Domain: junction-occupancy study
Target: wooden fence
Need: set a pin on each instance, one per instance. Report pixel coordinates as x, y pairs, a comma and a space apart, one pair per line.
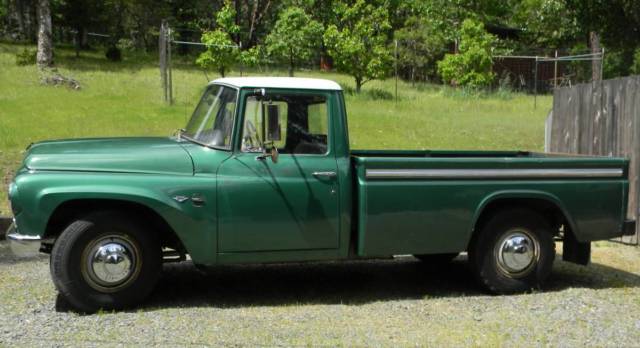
600, 118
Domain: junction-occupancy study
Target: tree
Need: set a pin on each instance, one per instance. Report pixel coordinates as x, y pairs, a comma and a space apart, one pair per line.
18, 20
546, 23
617, 22
471, 67
222, 53
420, 46
358, 44
294, 38
44, 57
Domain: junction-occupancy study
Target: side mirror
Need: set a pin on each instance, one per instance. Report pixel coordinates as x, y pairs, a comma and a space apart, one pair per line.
273, 123
273, 153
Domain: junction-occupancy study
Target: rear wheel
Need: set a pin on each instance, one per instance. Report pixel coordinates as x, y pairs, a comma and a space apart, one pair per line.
513, 252
105, 261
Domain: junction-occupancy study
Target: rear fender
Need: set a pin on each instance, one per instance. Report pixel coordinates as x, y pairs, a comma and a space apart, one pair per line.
523, 195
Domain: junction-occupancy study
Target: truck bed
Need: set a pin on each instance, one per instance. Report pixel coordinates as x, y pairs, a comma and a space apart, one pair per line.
421, 202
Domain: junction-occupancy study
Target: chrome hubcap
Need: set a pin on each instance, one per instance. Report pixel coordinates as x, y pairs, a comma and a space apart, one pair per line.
516, 252
110, 263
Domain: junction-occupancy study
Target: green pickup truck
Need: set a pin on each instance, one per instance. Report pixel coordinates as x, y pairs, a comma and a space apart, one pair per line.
263, 173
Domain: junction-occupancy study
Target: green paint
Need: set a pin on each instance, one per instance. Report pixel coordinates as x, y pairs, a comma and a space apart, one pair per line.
259, 211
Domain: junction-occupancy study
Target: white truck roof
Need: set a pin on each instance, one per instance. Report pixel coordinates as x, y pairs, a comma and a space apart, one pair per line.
279, 82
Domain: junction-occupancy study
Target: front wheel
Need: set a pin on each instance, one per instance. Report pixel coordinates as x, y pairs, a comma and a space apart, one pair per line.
513, 252
105, 261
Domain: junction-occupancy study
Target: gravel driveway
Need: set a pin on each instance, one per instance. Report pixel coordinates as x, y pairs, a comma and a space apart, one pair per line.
365, 303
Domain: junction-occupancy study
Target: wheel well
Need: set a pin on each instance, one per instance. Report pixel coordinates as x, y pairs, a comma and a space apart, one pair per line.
72, 210
549, 210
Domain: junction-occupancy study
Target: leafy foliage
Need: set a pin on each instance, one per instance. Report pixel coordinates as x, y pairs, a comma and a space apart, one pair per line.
546, 23
359, 28
635, 68
294, 38
420, 46
358, 44
471, 67
26, 57
113, 53
253, 56
222, 53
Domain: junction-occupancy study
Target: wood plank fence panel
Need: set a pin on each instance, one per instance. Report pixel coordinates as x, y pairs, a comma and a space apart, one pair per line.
601, 118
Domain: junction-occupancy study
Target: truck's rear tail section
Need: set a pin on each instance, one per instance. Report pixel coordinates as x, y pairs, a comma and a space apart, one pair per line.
432, 202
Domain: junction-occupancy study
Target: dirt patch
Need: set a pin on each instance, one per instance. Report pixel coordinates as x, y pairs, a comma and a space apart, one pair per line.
365, 303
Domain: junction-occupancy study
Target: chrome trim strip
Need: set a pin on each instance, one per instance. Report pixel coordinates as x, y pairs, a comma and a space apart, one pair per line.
493, 173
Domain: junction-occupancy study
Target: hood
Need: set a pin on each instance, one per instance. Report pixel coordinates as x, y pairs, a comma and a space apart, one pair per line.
120, 155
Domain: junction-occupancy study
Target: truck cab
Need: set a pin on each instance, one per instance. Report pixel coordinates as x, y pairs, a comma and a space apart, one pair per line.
263, 173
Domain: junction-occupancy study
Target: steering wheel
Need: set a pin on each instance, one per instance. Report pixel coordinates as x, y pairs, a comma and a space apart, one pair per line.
251, 141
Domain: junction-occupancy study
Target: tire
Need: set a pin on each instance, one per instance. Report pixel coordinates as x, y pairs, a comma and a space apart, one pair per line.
105, 260
436, 259
513, 252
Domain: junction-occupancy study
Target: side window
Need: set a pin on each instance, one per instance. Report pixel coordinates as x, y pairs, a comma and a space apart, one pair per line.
256, 123
318, 119
295, 124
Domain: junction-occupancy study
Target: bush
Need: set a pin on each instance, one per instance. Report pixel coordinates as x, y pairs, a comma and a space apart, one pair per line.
26, 57
472, 66
125, 45
635, 68
113, 54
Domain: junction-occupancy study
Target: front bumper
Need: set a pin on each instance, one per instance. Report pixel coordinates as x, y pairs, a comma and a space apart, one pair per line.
23, 245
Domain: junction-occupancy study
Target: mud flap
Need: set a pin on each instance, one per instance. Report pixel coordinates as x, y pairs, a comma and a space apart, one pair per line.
574, 251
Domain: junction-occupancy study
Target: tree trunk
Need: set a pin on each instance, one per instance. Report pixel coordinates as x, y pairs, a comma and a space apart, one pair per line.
45, 43
358, 84
21, 18
291, 65
221, 71
78, 41
413, 76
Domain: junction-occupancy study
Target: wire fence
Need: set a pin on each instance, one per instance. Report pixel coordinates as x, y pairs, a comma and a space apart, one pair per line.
538, 73
526, 73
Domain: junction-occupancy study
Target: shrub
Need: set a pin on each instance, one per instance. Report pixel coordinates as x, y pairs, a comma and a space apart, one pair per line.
471, 67
635, 68
26, 57
126, 45
113, 54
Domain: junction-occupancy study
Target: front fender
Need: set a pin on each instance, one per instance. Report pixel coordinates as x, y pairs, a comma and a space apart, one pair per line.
42, 193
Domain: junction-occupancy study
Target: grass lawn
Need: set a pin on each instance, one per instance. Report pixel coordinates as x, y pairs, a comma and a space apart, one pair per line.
121, 99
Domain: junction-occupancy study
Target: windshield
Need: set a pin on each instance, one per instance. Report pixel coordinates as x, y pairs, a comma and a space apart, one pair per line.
212, 121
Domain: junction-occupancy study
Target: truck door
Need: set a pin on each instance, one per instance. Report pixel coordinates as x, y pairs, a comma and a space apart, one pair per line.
291, 204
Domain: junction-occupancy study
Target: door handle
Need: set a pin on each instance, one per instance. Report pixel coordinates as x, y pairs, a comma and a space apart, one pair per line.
325, 174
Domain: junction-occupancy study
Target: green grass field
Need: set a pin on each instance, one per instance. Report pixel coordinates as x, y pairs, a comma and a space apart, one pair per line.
122, 99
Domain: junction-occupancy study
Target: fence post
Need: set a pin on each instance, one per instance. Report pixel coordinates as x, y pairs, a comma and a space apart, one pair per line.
535, 84
555, 72
396, 67
602, 64
162, 51
596, 69
169, 72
